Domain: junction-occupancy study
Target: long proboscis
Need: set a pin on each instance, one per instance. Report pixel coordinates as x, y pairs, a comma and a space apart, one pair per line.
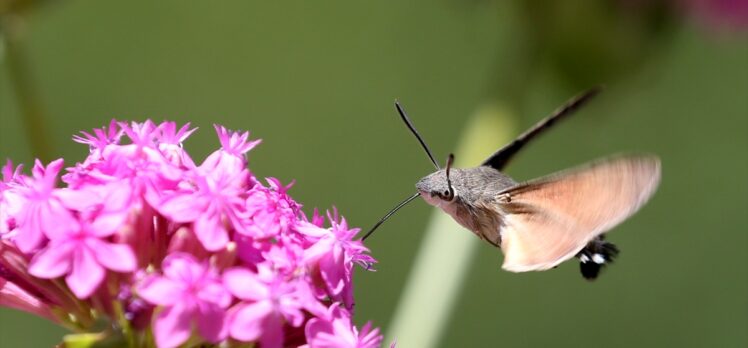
405, 118
387, 216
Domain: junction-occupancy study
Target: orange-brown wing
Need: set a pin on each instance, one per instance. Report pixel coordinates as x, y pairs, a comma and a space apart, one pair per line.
549, 220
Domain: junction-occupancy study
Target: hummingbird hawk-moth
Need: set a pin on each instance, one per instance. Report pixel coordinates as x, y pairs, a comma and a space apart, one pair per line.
543, 222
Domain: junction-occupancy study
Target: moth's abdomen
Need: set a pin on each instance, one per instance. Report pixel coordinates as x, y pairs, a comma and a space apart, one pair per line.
597, 254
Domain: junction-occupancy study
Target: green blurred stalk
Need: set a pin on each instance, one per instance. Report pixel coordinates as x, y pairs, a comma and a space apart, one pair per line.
447, 251
22, 84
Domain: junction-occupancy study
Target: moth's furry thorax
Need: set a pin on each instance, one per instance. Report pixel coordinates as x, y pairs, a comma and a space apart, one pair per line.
475, 191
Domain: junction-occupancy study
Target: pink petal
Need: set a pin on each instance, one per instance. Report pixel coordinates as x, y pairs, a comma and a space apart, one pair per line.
117, 257
56, 220
341, 326
15, 202
248, 251
292, 314
310, 302
160, 291
315, 326
215, 293
212, 324
183, 267
318, 250
328, 340
245, 285
118, 195
369, 338
272, 337
173, 326
29, 234
53, 168
247, 323
332, 269
108, 223
182, 207
211, 232
79, 200
86, 275
52, 261
311, 230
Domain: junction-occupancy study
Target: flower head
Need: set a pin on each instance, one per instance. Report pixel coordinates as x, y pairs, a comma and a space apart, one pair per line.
204, 255
271, 210
332, 256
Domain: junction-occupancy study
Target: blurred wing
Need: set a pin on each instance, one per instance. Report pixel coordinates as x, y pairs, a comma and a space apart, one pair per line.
549, 220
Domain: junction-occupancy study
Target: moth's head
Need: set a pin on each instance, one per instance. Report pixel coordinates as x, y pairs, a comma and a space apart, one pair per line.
434, 189
437, 188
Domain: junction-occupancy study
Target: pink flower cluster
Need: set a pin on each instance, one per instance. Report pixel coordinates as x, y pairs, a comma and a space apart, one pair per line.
173, 252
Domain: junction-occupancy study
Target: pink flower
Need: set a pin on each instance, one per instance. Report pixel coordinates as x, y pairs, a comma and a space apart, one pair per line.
336, 331
230, 158
212, 205
140, 234
332, 257
191, 293
284, 256
83, 255
39, 208
170, 143
267, 302
271, 210
100, 139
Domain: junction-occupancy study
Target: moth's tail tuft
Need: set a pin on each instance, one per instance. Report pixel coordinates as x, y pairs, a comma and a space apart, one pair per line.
595, 256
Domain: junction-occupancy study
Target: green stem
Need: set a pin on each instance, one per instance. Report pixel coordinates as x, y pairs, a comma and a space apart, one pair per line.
26, 93
81, 312
64, 320
119, 313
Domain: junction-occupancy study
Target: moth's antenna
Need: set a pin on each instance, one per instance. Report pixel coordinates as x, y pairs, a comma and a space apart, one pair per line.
413, 130
383, 219
500, 158
450, 159
405, 118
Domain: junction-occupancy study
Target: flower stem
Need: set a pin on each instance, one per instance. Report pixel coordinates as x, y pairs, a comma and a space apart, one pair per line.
119, 313
19, 74
82, 315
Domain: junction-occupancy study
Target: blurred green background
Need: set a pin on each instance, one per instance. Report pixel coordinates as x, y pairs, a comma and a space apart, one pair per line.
316, 80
